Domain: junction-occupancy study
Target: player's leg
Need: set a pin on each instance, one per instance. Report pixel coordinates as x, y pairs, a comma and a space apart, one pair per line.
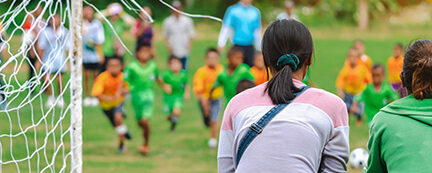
60, 102
143, 106
48, 90
86, 101
145, 127
177, 106
206, 119
215, 106
174, 119
120, 128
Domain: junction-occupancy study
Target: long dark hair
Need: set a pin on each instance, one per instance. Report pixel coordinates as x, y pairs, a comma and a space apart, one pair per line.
417, 69
285, 37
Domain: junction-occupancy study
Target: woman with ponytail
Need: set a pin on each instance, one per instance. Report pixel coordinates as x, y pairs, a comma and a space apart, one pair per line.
401, 133
283, 125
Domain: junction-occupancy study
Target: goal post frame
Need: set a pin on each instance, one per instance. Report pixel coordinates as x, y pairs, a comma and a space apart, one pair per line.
76, 22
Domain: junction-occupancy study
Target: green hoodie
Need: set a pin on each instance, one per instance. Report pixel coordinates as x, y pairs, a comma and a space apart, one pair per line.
401, 137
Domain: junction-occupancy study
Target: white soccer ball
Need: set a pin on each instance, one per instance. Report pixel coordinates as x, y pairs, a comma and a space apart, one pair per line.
358, 158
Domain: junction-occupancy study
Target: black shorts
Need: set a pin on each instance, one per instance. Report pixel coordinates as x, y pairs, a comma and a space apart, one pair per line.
91, 66
111, 113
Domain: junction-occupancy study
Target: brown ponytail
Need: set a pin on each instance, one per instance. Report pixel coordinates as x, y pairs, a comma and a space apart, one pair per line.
417, 70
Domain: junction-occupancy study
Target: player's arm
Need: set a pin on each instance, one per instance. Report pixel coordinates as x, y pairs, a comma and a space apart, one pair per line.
166, 87
225, 31
257, 34
340, 83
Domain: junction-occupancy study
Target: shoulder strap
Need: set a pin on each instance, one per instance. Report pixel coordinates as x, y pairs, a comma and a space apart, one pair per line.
256, 128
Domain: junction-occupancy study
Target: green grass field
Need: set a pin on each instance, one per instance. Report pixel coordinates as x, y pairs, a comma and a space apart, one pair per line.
185, 150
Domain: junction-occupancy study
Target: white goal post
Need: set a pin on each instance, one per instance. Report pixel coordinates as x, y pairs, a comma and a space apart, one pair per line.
76, 86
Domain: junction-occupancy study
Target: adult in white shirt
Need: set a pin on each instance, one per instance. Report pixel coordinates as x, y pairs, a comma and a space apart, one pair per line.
179, 31
93, 58
289, 12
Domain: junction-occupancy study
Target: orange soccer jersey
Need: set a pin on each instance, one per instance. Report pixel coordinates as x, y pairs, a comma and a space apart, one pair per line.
353, 80
364, 60
204, 80
259, 75
106, 84
395, 66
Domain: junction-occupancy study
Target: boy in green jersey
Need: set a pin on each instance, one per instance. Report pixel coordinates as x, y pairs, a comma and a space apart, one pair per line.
177, 79
233, 73
376, 95
142, 74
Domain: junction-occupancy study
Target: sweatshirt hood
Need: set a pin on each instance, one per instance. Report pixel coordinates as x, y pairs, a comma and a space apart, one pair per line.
419, 110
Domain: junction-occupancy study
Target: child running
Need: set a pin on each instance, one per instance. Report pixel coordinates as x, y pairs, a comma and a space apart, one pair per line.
210, 105
110, 89
259, 71
352, 80
235, 72
395, 65
142, 74
173, 101
376, 95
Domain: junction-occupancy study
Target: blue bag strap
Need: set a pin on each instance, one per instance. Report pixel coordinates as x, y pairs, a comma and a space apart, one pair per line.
256, 128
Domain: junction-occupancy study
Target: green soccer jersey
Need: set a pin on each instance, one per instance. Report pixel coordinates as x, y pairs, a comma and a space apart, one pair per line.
178, 83
108, 45
141, 78
374, 101
229, 82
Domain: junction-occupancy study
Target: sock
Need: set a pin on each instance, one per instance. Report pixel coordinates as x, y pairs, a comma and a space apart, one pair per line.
173, 123
121, 130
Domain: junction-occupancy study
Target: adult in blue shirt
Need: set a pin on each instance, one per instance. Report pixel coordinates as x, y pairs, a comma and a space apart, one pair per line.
243, 20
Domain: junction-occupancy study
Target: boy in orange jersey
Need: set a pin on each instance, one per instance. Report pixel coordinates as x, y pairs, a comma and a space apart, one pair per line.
110, 89
203, 82
394, 65
352, 80
258, 70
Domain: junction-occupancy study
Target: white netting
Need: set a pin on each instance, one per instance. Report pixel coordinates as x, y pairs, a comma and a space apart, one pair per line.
35, 109
35, 86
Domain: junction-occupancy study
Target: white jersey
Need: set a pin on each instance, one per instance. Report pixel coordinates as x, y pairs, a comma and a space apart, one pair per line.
309, 135
54, 43
179, 32
93, 33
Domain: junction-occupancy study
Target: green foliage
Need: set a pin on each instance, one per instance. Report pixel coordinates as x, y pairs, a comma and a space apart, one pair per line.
347, 10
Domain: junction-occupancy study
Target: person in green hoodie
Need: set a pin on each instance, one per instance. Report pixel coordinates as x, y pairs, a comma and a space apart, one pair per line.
401, 133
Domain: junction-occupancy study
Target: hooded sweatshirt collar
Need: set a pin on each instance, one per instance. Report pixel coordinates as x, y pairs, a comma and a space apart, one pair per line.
420, 110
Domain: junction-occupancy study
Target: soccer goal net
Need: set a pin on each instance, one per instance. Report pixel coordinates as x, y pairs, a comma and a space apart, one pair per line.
40, 86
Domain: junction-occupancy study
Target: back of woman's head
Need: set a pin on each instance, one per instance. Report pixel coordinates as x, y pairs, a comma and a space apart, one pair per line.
417, 69
287, 45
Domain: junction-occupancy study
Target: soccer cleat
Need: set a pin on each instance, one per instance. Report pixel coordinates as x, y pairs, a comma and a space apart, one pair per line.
173, 123
212, 143
50, 101
86, 101
122, 148
94, 101
144, 150
60, 102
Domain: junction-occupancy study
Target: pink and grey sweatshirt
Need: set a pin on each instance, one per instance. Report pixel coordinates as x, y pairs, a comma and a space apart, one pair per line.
309, 135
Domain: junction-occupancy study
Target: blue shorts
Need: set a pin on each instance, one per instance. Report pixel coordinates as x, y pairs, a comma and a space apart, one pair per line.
215, 107
349, 99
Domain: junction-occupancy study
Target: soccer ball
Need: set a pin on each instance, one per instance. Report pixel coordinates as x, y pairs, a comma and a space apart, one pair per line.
358, 158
